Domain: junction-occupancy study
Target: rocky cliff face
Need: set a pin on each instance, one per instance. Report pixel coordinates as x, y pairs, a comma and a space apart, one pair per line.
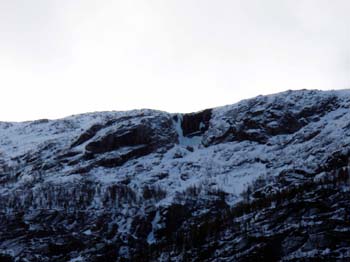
265, 179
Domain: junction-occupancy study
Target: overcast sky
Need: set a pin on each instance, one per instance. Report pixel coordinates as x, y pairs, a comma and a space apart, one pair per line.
62, 57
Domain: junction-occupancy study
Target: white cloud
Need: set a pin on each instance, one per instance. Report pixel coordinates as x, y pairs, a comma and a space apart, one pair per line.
72, 56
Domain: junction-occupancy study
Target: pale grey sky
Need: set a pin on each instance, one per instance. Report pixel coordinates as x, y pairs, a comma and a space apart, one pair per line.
62, 57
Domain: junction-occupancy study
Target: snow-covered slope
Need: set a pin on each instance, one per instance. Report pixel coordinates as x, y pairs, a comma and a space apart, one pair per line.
143, 185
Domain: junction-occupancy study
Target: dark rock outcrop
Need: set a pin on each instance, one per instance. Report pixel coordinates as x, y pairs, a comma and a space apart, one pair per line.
196, 123
264, 117
137, 136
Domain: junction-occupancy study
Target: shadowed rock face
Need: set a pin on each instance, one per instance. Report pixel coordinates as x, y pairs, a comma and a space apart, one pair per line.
141, 135
266, 179
138, 140
123, 158
263, 118
87, 135
196, 123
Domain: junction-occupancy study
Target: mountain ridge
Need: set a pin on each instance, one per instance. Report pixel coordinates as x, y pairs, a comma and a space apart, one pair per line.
213, 185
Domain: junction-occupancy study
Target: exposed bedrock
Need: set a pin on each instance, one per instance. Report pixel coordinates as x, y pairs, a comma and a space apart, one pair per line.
264, 117
140, 135
196, 123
